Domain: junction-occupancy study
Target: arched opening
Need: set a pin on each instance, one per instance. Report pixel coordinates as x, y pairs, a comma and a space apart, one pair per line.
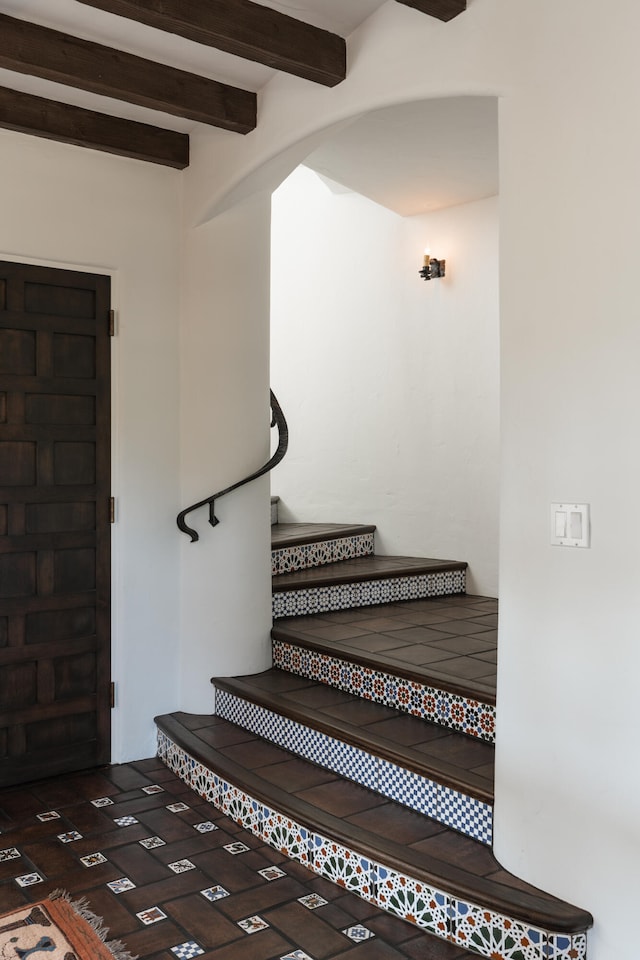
391, 386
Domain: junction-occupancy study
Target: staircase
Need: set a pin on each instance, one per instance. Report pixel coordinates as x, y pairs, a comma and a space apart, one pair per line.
366, 752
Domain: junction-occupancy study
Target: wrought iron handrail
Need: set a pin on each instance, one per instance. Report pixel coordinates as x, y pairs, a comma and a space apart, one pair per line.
277, 420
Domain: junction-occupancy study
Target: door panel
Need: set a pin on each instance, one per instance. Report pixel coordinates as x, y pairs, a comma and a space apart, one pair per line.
54, 522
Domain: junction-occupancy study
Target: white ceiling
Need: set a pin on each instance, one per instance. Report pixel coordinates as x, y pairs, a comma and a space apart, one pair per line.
411, 158
417, 157
70, 16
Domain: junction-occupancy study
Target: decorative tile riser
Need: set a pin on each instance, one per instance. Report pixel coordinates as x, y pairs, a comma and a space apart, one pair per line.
466, 924
308, 555
344, 596
457, 810
447, 709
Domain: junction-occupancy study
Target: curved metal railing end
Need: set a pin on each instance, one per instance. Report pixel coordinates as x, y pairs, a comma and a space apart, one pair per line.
277, 420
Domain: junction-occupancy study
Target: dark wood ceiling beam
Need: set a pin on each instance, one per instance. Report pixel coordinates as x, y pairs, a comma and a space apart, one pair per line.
68, 124
245, 29
41, 52
442, 9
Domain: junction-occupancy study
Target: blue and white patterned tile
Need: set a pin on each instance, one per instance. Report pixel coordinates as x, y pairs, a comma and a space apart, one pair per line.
231, 708
367, 593
353, 763
241, 808
187, 950
29, 879
215, 893
287, 836
349, 869
491, 934
359, 933
561, 947
205, 783
408, 788
412, 900
308, 743
465, 814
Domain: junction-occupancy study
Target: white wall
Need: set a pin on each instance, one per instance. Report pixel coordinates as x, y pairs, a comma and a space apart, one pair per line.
224, 437
568, 75
76, 208
390, 385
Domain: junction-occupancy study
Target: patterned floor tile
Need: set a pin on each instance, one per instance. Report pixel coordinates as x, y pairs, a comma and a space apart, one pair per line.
151, 915
69, 837
29, 879
312, 901
214, 893
359, 933
253, 924
150, 843
121, 885
181, 866
93, 859
187, 950
272, 873
236, 848
11, 853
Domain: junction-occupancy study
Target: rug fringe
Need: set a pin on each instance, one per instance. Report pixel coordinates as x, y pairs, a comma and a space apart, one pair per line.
81, 907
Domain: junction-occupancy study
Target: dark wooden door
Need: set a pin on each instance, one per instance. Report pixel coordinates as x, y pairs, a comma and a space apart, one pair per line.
54, 521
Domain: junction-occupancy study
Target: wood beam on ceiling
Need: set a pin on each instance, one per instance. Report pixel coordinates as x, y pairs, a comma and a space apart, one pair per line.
68, 124
442, 9
245, 29
42, 52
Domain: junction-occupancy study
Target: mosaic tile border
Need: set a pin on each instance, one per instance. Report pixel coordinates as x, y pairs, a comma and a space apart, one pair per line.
463, 813
450, 710
466, 924
344, 596
304, 556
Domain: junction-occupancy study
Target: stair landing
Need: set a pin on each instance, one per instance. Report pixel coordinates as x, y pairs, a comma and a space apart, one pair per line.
451, 640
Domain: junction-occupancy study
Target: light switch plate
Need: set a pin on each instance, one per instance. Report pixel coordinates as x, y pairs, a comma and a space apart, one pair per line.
570, 525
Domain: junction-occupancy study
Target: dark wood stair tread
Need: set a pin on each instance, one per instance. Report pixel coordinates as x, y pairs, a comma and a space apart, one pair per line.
296, 534
364, 821
362, 568
450, 758
447, 642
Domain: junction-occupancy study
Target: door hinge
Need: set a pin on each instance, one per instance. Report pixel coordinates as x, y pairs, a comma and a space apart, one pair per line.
112, 509
112, 694
112, 323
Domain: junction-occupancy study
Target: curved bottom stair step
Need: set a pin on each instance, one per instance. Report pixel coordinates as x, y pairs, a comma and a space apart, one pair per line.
413, 867
421, 765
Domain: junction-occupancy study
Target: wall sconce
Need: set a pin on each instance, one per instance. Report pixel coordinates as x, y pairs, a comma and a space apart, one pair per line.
432, 267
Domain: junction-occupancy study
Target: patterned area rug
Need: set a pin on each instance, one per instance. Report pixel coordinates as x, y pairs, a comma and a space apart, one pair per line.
56, 929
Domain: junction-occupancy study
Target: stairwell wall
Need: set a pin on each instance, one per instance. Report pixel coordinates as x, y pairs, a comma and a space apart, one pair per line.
390, 385
567, 75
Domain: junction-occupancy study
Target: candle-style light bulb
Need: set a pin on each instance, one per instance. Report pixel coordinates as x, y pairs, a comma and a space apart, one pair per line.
427, 257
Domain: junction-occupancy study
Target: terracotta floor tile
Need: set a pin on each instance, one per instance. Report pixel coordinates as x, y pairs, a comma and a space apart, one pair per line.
311, 932
341, 797
189, 915
207, 926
